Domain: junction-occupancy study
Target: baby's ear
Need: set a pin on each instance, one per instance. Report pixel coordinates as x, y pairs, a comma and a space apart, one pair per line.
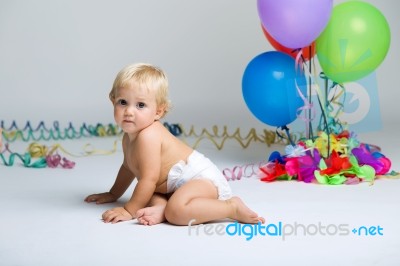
160, 112
112, 98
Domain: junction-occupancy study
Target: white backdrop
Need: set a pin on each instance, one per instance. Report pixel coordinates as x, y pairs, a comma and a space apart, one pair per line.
58, 59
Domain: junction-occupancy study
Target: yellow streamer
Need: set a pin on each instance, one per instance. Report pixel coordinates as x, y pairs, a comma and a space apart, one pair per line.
268, 137
37, 150
89, 150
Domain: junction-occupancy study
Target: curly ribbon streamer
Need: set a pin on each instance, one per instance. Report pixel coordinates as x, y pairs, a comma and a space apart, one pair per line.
175, 129
41, 132
25, 158
55, 160
289, 137
51, 161
329, 121
332, 124
1, 139
88, 150
391, 174
308, 108
216, 136
239, 171
36, 150
268, 137
110, 129
49, 156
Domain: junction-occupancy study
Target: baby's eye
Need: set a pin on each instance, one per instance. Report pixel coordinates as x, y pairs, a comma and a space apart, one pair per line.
122, 102
140, 105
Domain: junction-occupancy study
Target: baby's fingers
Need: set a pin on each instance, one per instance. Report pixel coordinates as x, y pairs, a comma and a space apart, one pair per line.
91, 198
109, 216
101, 200
117, 219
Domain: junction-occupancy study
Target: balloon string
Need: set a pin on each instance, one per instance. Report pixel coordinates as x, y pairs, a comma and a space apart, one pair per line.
310, 134
307, 109
299, 61
286, 129
332, 122
329, 120
308, 106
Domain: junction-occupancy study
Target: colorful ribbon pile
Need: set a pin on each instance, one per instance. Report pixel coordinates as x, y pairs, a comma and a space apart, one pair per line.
49, 156
339, 159
44, 156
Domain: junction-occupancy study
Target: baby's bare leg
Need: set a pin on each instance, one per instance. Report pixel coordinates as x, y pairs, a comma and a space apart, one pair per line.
154, 213
198, 200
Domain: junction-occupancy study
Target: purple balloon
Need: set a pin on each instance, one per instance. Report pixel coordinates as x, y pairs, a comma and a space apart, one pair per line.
294, 23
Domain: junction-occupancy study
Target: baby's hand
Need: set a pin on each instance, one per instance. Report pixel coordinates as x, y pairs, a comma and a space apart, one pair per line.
116, 215
100, 198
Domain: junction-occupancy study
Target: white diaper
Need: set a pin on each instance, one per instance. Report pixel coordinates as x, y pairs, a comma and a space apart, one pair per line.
198, 167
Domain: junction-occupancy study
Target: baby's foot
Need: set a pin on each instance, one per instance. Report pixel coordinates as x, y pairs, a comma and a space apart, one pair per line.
151, 215
243, 214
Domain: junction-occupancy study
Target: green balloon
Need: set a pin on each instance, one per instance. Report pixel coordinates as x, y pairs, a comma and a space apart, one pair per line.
354, 43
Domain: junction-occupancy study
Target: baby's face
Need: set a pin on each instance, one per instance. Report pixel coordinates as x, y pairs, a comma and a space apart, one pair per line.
135, 107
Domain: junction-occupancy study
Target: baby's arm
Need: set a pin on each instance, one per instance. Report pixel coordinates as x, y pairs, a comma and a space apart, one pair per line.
121, 184
141, 196
147, 155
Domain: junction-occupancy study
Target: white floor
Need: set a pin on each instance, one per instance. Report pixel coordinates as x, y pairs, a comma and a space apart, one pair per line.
44, 220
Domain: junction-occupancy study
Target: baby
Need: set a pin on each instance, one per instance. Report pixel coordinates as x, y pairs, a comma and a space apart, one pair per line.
174, 182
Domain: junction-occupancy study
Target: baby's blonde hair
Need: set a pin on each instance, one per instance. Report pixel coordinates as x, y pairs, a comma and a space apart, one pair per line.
144, 74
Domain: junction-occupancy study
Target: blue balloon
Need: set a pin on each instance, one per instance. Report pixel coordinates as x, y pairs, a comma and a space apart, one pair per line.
269, 88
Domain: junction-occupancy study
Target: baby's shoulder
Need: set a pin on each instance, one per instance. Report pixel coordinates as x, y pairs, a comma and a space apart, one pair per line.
154, 132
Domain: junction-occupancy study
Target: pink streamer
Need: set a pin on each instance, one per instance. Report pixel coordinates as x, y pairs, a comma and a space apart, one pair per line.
246, 170
54, 161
